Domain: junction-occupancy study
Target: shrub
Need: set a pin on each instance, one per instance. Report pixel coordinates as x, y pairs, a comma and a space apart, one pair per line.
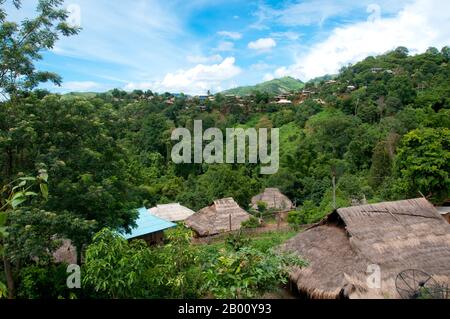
253, 222
49, 282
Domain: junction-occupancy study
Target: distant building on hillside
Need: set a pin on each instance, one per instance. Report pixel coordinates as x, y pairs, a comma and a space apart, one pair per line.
274, 200
376, 70
284, 101
223, 216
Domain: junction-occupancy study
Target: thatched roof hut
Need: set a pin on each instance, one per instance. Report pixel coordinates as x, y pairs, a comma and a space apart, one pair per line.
445, 212
274, 199
223, 216
171, 212
395, 236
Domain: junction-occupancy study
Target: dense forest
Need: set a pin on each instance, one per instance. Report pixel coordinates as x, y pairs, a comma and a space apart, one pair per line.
79, 164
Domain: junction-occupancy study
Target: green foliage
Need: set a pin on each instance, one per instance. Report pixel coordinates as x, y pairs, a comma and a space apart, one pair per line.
253, 222
423, 163
306, 214
43, 282
22, 44
3, 290
114, 267
248, 273
237, 241
108, 153
220, 181
175, 270
35, 234
262, 206
277, 86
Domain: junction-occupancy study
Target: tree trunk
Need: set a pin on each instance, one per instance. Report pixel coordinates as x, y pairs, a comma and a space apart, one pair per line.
9, 277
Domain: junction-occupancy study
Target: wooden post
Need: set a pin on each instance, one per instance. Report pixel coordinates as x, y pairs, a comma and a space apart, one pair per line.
333, 173
231, 228
334, 191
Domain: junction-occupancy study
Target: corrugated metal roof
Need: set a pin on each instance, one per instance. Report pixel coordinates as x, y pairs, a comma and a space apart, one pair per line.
147, 224
443, 210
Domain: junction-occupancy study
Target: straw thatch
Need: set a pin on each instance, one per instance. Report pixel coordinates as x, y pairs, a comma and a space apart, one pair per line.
171, 212
67, 253
223, 216
274, 199
396, 236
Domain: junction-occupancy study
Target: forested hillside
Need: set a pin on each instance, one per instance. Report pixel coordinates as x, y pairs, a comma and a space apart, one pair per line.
381, 127
276, 86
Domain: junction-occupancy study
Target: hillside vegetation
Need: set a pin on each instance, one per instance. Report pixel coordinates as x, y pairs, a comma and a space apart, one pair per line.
273, 87
381, 127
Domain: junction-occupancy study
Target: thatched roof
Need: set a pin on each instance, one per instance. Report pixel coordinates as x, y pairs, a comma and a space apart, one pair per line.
215, 219
274, 200
396, 236
67, 253
171, 212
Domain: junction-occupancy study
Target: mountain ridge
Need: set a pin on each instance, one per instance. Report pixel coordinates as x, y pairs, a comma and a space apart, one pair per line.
276, 86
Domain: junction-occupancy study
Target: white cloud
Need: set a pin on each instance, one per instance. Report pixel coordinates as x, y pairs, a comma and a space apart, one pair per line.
139, 86
290, 35
417, 26
200, 59
230, 34
263, 44
196, 80
268, 77
224, 46
80, 86
130, 38
316, 12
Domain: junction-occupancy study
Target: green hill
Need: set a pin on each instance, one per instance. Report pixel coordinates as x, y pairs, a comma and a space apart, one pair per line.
277, 86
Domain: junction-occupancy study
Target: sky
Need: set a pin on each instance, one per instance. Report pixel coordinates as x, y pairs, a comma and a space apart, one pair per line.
200, 45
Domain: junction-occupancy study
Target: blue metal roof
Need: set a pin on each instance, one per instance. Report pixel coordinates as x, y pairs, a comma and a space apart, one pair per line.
147, 224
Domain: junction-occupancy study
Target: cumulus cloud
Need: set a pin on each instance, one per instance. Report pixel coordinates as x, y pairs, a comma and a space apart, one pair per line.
418, 26
263, 44
196, 80
230, 34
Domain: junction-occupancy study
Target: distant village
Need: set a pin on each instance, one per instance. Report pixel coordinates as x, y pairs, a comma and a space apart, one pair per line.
310, 91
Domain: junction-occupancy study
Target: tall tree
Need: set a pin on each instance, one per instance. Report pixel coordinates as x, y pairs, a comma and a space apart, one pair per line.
423, 163
21, 45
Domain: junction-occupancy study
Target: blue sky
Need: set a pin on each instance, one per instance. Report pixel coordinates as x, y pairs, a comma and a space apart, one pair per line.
195, 46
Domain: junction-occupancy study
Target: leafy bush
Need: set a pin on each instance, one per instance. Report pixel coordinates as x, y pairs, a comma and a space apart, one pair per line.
114, 267
248, 273
253, 222
48, 282
237, 241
